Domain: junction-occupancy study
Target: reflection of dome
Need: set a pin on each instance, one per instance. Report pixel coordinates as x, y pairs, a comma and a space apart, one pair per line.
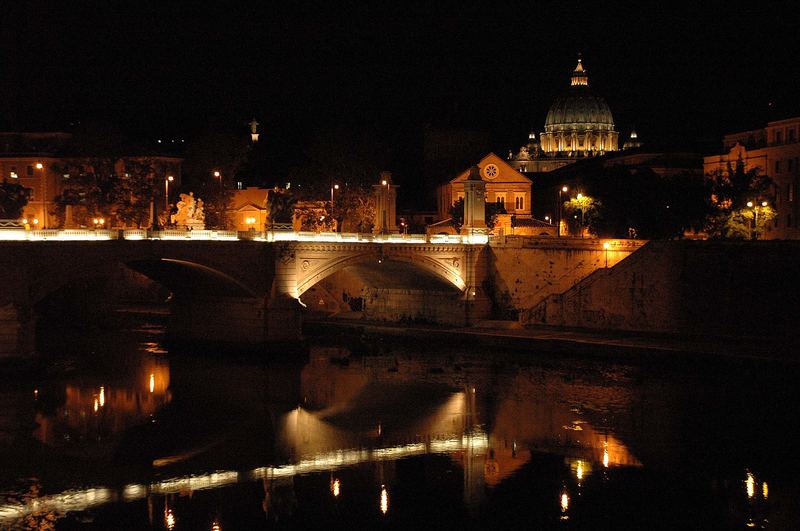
579, 121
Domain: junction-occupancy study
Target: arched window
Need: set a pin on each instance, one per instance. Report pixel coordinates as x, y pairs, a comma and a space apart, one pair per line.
519, 202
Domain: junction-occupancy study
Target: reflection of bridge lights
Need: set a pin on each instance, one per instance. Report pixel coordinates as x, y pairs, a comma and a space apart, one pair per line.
579, 470
335, 488
384, 500
152, 382
169, 519
215, 526
564, 505
764, 490
750, 485
95, 406
102, 396
605, 455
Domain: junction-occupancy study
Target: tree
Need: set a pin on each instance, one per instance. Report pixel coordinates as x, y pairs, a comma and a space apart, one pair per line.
13, 199
738, 198
133, 193
354, 208
582, 212
492, 210
281, 205
88, 187
456, 212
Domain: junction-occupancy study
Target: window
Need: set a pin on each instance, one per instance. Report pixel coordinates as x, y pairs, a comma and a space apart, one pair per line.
777, 166
29, 171
790, 192
789, 166
519, 202
788, 221
779, 137
790, 135
500, 199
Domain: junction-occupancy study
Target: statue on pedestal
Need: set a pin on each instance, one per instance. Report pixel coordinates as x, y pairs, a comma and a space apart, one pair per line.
190, 213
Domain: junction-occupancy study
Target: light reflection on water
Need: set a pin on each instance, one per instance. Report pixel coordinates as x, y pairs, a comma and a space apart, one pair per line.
493, 422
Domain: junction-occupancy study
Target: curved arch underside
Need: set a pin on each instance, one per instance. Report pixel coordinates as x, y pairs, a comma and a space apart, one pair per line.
184, 278
412, 272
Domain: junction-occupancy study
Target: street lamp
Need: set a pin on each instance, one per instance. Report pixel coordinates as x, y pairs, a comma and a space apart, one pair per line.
580, 197
386, 207
605, 247
754, 231
561, 190
40, 166
218, 176
98, 222
168, 180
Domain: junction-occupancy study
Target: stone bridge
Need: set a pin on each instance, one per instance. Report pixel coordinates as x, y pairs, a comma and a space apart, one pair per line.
227, 291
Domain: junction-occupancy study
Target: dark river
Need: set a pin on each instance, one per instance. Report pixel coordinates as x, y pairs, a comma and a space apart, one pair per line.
121, 431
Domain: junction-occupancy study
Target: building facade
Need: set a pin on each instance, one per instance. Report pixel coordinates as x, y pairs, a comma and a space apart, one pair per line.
775, 151
39, 162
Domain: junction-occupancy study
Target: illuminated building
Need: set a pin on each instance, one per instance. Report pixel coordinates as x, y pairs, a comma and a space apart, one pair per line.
505, 186
775, 151
578, 124
37, 161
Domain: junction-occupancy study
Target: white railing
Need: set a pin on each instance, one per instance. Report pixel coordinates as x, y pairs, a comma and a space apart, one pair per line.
20, 234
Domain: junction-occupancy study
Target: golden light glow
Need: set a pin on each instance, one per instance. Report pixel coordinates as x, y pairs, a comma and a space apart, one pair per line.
35, 221
750, 485
765, 490
384, 500
579, 470
383, 182
102, 396
750, 204
39, 166
170, 178
169, 519
335, 488
216, 174
564, 188
95, 406
605, 456
606, 245
215, 526
152, 382
580, 196
564, 505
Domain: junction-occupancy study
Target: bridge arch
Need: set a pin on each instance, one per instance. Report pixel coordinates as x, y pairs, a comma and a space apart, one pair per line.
312, 270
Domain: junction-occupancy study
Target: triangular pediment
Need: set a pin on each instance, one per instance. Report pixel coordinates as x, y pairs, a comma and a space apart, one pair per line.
250, 207
504, 172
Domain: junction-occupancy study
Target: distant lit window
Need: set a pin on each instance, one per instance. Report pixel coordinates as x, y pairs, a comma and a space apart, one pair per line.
14, 175
65, 176
238, 185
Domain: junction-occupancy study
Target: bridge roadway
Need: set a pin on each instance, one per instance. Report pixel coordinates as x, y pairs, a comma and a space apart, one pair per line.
227, 287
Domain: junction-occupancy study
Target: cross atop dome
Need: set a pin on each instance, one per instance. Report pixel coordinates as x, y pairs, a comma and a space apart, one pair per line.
579, 76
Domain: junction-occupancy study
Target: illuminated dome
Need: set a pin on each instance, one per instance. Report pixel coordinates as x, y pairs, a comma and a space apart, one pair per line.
579, 121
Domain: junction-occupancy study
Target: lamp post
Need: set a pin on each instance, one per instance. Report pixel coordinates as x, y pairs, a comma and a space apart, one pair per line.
754, 231
561, 190
580, 197
168, 180
40, 166
333, 187
605, 247
385, 228
218, 176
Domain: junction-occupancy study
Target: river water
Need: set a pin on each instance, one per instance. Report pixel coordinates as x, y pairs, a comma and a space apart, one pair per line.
121, 431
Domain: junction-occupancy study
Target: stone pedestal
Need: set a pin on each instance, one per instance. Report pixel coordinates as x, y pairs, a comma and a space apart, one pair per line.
385, 205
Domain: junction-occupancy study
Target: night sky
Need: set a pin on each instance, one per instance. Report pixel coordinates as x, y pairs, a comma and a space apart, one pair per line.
161, 69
